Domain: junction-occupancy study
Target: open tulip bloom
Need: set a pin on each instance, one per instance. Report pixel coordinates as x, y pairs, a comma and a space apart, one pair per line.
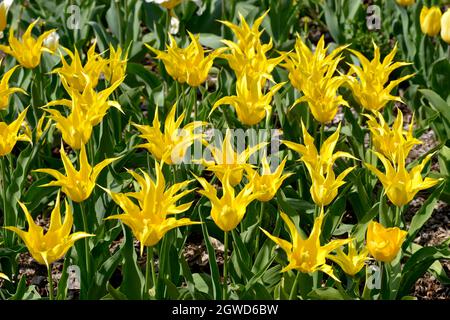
76, 184
27, 50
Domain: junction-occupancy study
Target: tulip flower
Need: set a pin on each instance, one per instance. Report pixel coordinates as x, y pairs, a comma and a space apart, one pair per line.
117, 65
3, 276
52, 42
225, 159
5, 90
77, 185
405, 3
322, 97
250, 103
445, 26
91, 104
400, 185
187, 64
430, 19
10, 134
372, 88
4, 8
27, 50
228, 210
307, 255
248, 55
268, 183
313, 74
391, 142
76, 75
384, 243
149, 219
306, 66
352, 262
310, 155
325, 184
76, 128
53, 245
171, 145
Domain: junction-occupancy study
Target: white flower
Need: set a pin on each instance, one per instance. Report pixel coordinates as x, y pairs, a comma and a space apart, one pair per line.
174, 25
52, 41
6, 3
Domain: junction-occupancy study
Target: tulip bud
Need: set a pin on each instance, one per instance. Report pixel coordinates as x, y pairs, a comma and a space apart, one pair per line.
430, 20
405, 3
52, 41
384, 243
445, 26
4, 7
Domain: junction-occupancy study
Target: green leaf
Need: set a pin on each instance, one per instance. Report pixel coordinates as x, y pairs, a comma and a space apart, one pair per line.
423, 215
437, 102
418, 264
133, 282
327, 294
217, 292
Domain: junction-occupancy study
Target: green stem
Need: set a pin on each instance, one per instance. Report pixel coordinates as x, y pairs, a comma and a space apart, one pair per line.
5, 215
225, 267
398, 214
260, 218
50, 283
86, 240
322, 129
150, 270
294, 290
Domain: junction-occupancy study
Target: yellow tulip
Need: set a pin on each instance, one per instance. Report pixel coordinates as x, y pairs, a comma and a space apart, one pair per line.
5, 90
171, 145
391, 142
306, 66
322, 97
77, 185
307, 255
52, 42
248, 55
76, 75
384, 243
352, 262
27, 50
3, 276
4, 8
148, 219
91, 104
325, 184
187, 64
250, 103
117, 65
10, 134
54, 244
228, 160
371, 87
430, 19
310, 155
268, 183
76, 128
445, 26
228, 210
400, 185
313, 74
405, 3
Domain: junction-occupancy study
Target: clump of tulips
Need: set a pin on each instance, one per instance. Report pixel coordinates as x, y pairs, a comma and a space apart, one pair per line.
283, 218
